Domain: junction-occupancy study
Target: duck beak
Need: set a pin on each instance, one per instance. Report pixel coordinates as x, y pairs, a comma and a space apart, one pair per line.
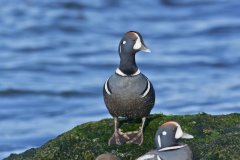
145, 49
186, 136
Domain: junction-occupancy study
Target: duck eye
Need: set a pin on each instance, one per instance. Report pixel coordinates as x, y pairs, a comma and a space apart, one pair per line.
164, 133
124, 42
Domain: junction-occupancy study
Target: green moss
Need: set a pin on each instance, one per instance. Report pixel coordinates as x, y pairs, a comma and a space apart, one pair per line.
217, 137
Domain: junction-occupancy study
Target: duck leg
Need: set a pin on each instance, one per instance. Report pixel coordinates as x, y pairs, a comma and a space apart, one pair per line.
137, 136
118, 136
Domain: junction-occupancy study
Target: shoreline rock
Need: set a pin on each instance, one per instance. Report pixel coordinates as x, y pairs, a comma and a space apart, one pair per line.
216, 137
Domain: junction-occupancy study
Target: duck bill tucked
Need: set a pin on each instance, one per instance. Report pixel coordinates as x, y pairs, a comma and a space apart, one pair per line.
145, 49
186, 136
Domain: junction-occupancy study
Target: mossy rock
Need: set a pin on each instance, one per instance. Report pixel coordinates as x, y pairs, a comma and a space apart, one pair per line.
217, 137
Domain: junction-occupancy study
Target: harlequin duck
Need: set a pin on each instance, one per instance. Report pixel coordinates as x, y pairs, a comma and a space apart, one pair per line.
128, 93
166, 141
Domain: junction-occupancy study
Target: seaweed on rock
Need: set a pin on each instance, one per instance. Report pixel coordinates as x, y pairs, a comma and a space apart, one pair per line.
216, 137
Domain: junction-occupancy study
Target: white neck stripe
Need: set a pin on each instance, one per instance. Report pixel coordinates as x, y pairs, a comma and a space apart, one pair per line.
171, 148
119, 72
136, 73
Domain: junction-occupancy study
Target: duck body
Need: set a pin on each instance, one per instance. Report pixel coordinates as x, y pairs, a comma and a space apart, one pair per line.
130, 96
183, 153
167, 145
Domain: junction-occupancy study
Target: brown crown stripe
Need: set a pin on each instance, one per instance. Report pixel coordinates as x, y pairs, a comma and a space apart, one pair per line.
169, 123
133, 33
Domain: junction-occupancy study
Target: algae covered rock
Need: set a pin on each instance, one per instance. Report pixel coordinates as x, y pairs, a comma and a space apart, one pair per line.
216, 137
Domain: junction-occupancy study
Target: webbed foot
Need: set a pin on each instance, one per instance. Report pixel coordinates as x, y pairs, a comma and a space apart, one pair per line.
118, 138
136, 137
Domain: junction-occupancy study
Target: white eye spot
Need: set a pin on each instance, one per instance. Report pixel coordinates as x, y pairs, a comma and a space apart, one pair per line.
124, 42
164, 133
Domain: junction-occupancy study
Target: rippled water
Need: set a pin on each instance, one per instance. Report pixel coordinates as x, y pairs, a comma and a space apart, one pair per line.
56, 55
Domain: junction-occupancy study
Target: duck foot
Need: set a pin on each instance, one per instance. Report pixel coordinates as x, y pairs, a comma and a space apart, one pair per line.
118, 138
135, 137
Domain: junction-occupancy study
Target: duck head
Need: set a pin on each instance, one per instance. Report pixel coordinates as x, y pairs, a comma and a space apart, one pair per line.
130, 44
168, 134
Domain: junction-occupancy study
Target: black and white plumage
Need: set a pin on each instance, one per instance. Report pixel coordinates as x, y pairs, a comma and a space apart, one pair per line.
167, 145
129, 96
128, 93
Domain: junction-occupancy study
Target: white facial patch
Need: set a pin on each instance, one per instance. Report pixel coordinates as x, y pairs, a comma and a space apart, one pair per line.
124, 42
164, 133
138, 43
179, 132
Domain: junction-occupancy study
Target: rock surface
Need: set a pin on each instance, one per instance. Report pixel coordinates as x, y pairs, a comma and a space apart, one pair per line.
217, 137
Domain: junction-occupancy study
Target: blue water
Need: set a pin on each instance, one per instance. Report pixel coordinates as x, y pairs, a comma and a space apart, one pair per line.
56, 54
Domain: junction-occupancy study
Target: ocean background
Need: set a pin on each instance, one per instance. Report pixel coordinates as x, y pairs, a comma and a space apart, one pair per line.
55, 56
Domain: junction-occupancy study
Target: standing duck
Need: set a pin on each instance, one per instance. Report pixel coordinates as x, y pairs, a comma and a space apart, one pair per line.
167, 146
128, 93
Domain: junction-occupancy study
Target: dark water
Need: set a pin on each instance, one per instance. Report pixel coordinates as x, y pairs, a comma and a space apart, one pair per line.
56, 55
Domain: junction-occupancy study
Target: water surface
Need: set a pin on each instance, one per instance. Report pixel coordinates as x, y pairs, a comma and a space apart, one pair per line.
56, 55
